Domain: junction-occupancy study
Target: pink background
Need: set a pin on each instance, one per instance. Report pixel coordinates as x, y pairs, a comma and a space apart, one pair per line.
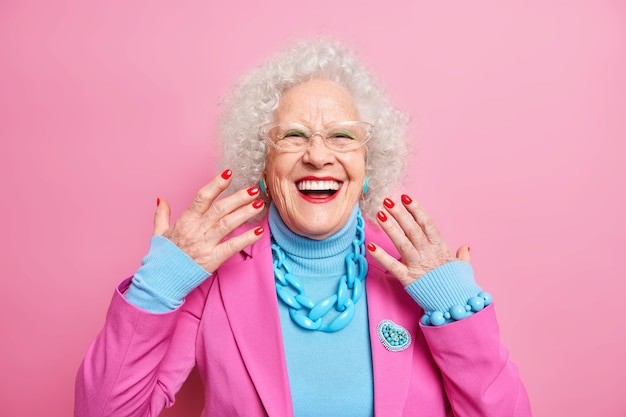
518, 115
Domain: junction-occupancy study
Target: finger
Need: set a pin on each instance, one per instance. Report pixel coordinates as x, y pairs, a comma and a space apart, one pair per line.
463, 253
410, 228
207, 194
230, 247
161, 217
423, 219
223, 226
391, 264
231, 204
398, 235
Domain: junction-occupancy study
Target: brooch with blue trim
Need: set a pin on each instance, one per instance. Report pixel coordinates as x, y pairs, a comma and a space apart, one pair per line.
393, 336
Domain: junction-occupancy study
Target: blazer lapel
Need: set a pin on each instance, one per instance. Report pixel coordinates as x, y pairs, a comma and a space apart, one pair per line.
249, 295
387, 300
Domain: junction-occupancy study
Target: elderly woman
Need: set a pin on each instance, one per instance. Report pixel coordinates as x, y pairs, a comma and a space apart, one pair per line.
287, 300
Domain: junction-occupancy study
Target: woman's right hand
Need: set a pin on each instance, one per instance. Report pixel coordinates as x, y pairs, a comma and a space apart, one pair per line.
201, 229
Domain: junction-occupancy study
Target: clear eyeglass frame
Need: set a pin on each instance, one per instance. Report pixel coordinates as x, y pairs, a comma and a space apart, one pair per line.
295, 137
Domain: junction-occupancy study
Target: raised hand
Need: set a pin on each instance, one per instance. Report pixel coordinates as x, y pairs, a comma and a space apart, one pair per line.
413, 232
202, 228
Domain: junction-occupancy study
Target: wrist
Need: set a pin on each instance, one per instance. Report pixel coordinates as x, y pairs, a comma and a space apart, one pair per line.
442, 288
165, 277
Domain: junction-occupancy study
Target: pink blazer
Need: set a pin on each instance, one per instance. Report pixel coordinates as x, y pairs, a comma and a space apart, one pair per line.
229, 327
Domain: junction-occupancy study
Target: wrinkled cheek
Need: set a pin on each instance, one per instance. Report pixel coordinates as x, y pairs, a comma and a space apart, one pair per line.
278, 192
285, 201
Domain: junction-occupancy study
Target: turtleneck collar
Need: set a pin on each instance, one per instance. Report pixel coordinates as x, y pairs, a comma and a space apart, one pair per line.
314, 257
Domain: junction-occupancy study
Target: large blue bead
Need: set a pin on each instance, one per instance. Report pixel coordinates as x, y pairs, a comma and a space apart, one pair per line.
487, 297
458, 312
476, 303
436, 318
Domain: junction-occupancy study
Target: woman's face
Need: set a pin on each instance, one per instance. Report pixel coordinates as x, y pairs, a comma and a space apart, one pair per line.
317, 211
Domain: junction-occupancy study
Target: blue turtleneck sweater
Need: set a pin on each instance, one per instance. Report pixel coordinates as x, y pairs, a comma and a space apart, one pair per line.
329, 373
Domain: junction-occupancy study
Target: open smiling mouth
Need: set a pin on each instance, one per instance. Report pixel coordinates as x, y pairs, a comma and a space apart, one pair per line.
318, 189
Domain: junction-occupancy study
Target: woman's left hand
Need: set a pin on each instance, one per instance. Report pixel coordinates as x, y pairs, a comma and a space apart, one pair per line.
416, 237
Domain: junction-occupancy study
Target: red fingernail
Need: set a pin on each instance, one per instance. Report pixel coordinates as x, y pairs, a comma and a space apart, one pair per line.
158, 202
253, 190
371, 246
258, 204
382, 216
227, 174
258, 230
406, 199
388, 203
468, 248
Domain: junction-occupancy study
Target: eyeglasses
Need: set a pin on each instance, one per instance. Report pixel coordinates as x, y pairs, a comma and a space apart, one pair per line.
294, 137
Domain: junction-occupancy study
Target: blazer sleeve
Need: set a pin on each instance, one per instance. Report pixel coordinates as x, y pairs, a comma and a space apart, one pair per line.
139, 360
478, 376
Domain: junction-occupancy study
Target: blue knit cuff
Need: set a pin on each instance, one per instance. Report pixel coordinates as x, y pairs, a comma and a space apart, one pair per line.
165, 277
449, 285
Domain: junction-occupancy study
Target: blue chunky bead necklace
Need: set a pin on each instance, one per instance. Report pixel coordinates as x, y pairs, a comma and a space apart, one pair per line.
304, 311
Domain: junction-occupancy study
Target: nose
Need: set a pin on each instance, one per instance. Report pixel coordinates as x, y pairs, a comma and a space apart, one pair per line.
317, 153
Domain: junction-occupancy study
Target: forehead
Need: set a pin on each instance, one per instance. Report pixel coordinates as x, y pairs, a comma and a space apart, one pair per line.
316, 101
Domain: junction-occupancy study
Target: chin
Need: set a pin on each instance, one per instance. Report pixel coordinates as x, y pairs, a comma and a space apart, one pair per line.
318, 229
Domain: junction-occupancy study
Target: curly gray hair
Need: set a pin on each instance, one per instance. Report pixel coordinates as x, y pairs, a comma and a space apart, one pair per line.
256, 96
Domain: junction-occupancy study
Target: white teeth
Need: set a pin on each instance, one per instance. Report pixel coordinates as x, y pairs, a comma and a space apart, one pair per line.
318, 185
